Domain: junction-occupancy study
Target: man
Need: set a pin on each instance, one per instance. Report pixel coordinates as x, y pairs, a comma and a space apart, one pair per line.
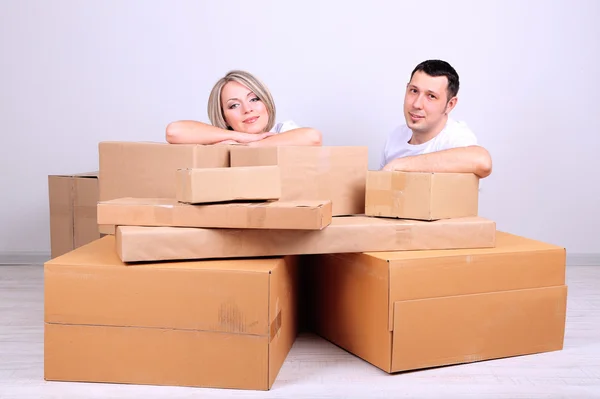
431, 141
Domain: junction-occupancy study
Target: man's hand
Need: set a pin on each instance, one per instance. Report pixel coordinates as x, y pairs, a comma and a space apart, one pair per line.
395, 164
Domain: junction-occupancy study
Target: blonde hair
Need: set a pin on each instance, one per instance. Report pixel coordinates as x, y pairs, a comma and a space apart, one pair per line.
215, 107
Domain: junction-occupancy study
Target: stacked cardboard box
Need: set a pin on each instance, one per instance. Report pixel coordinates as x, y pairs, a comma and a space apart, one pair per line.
198, 282
72, 206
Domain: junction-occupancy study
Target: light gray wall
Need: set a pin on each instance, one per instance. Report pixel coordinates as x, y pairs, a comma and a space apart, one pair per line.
73, 73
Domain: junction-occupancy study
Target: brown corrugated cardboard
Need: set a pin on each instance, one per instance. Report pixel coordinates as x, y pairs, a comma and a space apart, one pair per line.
227, 324
344, 234
148, 170
72, 204
315, 173
424, 196
294, 215
417, 309
205, 185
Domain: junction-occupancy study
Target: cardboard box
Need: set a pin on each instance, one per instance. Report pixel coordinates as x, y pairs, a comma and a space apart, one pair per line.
222, 324
296, 215
337, 174
418, 309
197, 186
344, 234
148, 170
72, 204
424, 196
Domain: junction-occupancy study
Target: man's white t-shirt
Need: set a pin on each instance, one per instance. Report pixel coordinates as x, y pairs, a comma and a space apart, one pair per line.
455, 134
284, 126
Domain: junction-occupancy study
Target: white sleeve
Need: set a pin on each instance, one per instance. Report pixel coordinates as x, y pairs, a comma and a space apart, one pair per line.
284, 126
459, 136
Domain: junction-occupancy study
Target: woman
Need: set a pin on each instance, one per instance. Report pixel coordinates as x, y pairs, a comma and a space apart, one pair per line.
241, 111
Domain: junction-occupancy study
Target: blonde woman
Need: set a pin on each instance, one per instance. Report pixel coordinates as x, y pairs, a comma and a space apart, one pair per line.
241, 111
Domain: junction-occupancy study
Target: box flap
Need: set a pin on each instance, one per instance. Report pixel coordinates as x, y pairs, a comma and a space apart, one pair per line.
155, 356
90, 285
515, 263
467, 328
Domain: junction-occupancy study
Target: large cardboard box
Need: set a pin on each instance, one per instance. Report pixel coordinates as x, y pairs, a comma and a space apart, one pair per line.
206, 185
225, 324
344, 234
418, 309
72, 204
295, 215
315, 173
148, 170
424, 196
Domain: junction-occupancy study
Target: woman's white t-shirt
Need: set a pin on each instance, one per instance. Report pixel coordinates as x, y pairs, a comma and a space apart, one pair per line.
284, 126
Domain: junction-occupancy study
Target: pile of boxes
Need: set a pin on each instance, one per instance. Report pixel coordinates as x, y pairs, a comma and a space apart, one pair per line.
208, 253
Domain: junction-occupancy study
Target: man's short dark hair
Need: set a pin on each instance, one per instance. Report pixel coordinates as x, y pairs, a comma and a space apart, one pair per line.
440, 68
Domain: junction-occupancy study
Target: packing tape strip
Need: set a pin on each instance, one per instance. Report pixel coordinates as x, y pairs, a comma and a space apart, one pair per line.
276, 326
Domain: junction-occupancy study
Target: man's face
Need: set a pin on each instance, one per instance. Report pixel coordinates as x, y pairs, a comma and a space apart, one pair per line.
426, 103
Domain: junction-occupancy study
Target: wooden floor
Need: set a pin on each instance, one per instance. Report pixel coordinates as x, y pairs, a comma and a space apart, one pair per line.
315, 367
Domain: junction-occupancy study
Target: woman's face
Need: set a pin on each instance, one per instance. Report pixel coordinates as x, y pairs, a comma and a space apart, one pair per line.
242, 109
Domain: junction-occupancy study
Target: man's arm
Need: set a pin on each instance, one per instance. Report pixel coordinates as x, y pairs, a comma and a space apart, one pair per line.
471, 159
303, 136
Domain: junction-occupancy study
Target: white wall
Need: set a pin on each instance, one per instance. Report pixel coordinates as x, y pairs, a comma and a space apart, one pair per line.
73, 73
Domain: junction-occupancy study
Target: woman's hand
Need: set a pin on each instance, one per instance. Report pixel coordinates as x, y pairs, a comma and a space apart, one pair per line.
226, 142
243, 138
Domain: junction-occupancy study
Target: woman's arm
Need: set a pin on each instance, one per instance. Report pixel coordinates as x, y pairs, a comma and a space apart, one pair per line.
193, 132
304, 136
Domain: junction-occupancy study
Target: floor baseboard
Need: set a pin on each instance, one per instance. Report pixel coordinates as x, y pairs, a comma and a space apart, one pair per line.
23, 258
583, 259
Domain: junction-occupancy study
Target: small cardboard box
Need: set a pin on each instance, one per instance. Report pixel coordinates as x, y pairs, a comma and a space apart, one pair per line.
418, 309
290, 215
331, 173
424, 196
148, 170
344, 234
206, 185
222, 324
72, 203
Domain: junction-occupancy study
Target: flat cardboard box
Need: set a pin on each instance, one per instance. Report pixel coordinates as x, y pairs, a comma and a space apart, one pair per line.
293, 215
72, 204
344, 234
148, 170
419, 309
206, 185
221, 324
330, 173
423, 196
